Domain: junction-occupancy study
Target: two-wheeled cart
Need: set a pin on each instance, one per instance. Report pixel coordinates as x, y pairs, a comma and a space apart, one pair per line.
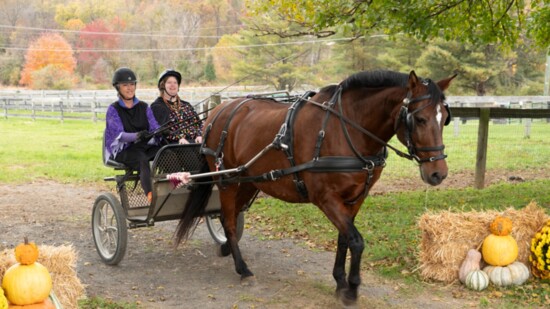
112, 216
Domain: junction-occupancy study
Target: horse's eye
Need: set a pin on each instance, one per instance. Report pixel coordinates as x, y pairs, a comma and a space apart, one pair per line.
419, 120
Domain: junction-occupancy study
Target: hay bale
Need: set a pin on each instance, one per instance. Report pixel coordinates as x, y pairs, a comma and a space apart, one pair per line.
61, 262
447, 236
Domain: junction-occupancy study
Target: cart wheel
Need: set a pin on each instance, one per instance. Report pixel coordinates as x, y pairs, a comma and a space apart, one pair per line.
109, 228
214, 224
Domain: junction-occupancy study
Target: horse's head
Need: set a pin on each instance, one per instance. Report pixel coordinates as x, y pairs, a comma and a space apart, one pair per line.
419, 126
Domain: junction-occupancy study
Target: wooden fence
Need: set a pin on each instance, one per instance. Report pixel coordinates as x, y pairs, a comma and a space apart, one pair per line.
485, 114
93, 105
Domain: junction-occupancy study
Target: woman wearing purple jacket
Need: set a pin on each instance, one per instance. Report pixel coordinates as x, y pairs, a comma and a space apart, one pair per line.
129, 123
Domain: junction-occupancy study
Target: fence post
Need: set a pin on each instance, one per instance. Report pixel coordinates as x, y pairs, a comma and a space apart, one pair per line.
33, 114
456, 125
527, 132
481, 157
61, 109
6, 102
94, 112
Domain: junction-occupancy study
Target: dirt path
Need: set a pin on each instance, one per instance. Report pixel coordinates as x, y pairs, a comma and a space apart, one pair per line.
155, 275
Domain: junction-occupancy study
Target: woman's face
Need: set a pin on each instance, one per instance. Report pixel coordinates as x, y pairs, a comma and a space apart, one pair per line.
128, 90
171, 86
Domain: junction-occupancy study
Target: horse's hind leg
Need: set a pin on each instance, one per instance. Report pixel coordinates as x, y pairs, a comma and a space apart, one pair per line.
233, 199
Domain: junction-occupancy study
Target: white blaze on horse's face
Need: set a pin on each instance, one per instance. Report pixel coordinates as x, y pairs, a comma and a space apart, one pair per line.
439, 116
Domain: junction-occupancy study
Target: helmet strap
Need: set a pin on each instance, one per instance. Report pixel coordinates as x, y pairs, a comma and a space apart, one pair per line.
172, 98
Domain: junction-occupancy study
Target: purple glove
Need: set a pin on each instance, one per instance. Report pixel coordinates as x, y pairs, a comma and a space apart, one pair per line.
128, 137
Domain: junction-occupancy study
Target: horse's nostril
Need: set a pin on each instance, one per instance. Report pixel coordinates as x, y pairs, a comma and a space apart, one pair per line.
437, 178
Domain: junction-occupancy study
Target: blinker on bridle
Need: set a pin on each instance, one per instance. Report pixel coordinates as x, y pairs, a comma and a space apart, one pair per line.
408, 119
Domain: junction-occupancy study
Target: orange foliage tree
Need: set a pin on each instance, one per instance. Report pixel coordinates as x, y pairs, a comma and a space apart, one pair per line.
49, 51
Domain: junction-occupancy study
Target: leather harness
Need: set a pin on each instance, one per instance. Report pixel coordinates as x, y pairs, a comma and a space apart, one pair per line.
284, 141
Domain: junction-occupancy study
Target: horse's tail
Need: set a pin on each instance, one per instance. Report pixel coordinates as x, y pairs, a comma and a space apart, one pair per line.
194, 206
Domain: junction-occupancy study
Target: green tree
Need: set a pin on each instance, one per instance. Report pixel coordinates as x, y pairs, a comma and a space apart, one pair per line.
209, 70
476, 21
481, 69
266, 59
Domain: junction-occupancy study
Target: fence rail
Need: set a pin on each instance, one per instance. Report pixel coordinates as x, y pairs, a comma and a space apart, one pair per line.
88, 104
93, 105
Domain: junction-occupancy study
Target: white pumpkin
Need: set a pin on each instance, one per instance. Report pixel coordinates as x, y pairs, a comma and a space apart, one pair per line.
477, 280
516, 273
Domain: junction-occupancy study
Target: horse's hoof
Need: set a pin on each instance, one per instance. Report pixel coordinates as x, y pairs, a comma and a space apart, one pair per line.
222, 250
346, 300
248, 281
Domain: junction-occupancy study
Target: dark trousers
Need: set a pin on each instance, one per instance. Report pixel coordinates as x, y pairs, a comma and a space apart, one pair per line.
137, 157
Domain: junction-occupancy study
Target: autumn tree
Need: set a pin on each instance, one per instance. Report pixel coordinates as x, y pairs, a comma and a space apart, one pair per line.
95, 40
476, 21
49, 52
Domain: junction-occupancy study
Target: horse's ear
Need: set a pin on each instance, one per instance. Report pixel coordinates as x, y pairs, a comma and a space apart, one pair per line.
413, 80
444, 83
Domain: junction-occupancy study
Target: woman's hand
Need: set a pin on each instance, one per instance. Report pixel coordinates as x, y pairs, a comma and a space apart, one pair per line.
198, 140
183, 141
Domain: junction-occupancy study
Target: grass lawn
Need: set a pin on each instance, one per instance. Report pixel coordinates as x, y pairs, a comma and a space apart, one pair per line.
71, 152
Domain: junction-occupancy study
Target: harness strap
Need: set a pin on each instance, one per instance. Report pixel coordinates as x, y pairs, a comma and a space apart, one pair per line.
321, 165
321, 134
362, 130
217, 154
284, 140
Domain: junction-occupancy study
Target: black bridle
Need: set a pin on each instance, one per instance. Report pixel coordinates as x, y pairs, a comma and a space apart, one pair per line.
404, 116
407, 118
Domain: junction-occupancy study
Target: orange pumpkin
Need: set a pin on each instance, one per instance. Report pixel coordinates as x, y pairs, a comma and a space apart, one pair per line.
26, 253
46, 304
501, 226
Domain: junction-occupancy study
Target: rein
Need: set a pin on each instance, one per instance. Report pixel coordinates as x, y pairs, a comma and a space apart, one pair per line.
411, 155
355, 163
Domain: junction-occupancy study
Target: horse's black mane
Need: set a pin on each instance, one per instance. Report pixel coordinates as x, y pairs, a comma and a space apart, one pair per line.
380, 79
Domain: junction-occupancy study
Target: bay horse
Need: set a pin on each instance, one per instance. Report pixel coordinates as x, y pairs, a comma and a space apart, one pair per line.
327, 149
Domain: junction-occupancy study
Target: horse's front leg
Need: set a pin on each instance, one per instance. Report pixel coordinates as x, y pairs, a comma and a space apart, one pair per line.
339, 270
356, 247
347, 291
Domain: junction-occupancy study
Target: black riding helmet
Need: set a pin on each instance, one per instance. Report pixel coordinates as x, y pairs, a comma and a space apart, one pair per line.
169, 72
124, 75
